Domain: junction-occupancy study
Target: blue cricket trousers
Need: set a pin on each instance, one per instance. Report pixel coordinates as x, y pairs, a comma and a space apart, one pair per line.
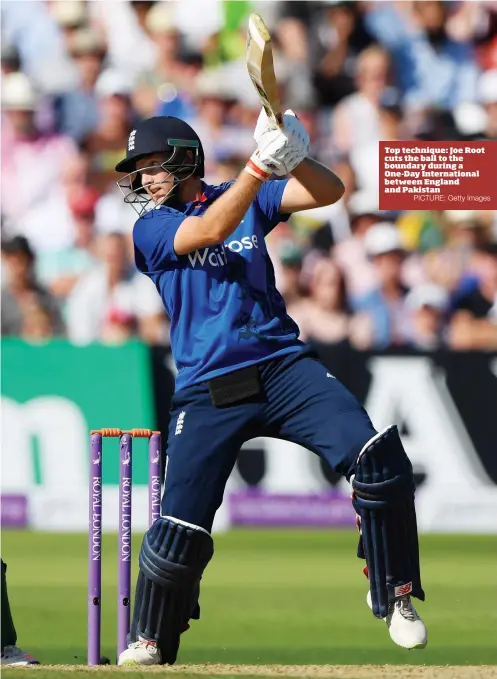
300, 402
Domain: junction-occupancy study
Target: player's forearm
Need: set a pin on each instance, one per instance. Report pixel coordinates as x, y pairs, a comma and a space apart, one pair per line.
312, 185
226, 213
220, 219
321, 183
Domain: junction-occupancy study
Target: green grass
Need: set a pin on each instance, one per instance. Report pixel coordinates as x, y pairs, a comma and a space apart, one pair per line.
289, 597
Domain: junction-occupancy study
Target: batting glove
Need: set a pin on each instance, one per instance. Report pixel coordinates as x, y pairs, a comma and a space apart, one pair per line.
278, 151
298, 142
264, 124
292, 125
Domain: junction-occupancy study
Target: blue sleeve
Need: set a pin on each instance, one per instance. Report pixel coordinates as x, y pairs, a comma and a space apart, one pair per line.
268, 201
389, 26
153, 238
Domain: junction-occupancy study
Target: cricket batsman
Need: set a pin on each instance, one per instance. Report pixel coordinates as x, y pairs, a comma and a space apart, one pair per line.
243, 373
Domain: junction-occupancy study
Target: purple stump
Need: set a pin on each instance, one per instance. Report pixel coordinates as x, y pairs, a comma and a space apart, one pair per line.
154, 480
95, 551
124, 567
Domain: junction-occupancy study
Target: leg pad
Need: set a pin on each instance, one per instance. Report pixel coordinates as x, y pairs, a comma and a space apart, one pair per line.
383, 497
172, 559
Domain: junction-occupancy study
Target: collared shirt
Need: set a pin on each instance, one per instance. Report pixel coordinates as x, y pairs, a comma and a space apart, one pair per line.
225, 310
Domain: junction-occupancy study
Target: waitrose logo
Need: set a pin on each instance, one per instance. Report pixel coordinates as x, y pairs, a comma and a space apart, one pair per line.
216, 255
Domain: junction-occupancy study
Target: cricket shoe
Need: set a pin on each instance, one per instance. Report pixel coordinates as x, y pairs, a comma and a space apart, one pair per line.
404, 624
15, 657
141, 652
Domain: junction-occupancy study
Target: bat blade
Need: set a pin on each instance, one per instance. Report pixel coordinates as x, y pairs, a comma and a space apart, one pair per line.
261, 68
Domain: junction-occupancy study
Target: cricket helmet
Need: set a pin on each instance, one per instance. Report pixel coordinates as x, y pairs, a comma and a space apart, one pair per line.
176, 141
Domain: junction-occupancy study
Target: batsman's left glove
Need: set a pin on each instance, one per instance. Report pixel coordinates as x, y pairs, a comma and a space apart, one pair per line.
298, 139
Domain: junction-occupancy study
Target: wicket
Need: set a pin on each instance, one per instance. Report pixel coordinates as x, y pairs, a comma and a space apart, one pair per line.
95, 529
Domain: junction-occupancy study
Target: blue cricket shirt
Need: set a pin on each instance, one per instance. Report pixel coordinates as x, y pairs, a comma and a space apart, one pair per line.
225, 310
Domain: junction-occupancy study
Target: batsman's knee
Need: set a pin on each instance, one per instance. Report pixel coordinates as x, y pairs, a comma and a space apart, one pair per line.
383, 471
383, 497
172, 541
172, 559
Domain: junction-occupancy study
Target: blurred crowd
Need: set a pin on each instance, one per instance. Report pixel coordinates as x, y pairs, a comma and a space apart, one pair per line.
77, 76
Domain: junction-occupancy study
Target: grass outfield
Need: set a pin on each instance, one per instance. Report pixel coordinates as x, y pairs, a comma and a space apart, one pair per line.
268, 597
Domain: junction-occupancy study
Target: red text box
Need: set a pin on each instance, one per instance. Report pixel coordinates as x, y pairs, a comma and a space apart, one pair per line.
438, 175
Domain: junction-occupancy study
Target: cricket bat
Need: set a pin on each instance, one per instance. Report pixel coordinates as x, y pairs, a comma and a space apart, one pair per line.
261, 68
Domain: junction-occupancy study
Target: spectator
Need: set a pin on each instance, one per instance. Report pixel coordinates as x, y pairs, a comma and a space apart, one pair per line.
219, 136
77, 109
37, 325
178, 100
113, 294
291, 258
356, 119
340, 38
61, 269
488, 98
431, 68
76, 174
167, 69
33, 204
452, 265
323, 227
11, 62
107, 141
119, 327
22, 295
465, 231
324, 315
219, 24
293, 63
40, 32
112, 215
385, 305
228, 167
365, 159
123, 26
482, 28
350, 254
69, 17
428, 304
474, 321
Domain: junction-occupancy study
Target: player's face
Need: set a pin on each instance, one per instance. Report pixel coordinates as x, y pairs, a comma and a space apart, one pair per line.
18, 267
388, 267
156, 181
